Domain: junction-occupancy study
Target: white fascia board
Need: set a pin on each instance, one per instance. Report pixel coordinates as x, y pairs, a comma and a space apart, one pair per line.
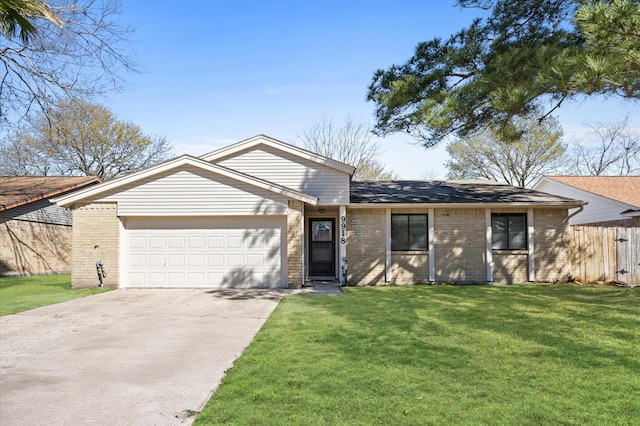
274, 143
175, 163
461, 205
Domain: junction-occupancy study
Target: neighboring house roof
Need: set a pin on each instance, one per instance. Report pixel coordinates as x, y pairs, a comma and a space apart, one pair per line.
174, 164
451, 192
274, 143
16, 191
625, 189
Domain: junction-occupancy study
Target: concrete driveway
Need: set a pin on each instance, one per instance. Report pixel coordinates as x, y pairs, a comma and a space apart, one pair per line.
126, 357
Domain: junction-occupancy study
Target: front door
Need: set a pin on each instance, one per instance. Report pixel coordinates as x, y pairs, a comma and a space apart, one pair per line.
322, 253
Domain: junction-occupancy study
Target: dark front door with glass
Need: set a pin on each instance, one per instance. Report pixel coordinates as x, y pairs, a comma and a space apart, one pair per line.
322, 248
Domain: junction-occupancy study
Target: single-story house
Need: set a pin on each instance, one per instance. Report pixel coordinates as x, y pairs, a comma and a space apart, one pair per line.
35, 235
263, 213
612, 200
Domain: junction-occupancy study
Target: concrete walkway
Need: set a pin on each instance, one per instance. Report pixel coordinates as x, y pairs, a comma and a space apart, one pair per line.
126, 357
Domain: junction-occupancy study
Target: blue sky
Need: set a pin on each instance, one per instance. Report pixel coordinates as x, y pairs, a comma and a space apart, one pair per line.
216, 72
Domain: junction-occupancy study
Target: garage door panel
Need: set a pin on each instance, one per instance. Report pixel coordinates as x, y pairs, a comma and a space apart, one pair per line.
156, 260
138, 260
235, 241
195, 260
215, 260
223, 252
176, 242
137, 278
155, 279
195, 242
234, 260
175, 279
215, 242
215, 279
255, 260
195, 279
174, 260
136, 242
156, 242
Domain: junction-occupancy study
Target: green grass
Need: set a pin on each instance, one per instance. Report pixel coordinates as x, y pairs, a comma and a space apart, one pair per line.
434, 355
18, 294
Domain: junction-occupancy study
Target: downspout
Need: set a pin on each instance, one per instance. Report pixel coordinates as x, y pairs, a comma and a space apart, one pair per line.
580, 209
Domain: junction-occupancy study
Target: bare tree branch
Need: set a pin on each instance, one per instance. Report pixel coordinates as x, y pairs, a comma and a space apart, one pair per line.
352, 144
80, 54
615, 150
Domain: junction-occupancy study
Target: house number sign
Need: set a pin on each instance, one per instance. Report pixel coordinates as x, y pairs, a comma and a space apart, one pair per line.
343, 227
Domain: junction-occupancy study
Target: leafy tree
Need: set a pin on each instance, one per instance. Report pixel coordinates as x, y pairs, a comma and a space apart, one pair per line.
352, 144
79, 138
64, 49
525, 56
616, 151
488, 155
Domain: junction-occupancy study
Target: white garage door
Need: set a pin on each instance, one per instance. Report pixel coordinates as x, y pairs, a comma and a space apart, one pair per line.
204, 252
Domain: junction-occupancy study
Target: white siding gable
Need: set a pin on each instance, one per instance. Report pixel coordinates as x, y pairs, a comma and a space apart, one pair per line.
598, 209
331, 186
191, 191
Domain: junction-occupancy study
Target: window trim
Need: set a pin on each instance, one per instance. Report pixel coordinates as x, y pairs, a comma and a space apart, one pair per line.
408, 249
525, 243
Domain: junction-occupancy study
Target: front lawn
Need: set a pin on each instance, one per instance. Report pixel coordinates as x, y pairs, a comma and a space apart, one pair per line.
514, 355
19, 294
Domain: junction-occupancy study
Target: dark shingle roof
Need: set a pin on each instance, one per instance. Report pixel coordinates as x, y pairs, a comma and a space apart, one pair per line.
449, 192
18, 190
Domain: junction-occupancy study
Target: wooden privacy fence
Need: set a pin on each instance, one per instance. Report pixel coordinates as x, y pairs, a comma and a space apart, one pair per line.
605, 253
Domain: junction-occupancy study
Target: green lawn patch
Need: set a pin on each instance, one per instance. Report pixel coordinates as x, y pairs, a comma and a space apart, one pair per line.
434, 355
19, 294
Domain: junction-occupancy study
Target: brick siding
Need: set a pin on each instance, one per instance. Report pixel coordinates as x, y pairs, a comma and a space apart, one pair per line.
409, 268
366, 246
460, 245
95, 223
295, 233
510, 266
28, 248
552, 245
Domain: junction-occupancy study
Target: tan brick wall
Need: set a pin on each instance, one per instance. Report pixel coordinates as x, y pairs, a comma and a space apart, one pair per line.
409, 267
552, 245
95, 223
34, 248
460, 246
295, 234
510, 266
459, 249
366, 246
